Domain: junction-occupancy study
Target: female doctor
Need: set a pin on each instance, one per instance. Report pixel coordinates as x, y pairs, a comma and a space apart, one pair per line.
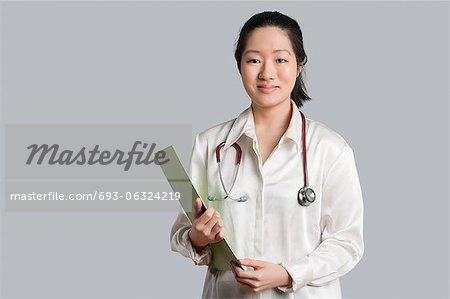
295, 221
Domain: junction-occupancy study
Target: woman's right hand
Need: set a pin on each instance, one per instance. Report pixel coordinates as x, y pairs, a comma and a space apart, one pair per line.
206, 228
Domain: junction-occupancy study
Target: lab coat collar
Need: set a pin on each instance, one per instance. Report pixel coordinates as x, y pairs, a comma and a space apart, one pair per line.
244, 124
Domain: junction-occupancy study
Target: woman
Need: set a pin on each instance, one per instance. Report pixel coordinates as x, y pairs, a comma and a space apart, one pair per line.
291, 250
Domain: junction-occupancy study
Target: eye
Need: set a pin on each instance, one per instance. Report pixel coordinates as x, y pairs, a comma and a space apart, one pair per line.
253, 60
281, 60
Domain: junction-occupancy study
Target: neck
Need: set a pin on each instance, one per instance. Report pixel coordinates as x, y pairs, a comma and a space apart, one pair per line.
275, 117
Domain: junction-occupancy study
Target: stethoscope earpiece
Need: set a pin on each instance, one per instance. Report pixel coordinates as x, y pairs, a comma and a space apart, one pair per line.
243, 198
212, 198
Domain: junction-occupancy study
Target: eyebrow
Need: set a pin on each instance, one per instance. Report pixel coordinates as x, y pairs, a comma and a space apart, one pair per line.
275, 51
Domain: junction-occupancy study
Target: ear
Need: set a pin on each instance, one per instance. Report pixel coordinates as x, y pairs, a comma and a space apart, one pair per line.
299, 69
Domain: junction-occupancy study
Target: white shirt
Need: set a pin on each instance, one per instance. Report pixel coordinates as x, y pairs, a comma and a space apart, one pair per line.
315, 244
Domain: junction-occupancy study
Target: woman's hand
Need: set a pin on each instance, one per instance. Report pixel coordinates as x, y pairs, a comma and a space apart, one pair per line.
206, 228
264, 275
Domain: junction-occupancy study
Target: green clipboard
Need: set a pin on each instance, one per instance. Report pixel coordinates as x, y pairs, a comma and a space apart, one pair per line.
180, 182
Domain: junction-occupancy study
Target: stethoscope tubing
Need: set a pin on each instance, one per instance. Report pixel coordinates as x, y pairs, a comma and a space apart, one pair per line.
238, 149
305, 195
305, 162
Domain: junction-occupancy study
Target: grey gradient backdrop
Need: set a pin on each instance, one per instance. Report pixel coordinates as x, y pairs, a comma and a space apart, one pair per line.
378, 74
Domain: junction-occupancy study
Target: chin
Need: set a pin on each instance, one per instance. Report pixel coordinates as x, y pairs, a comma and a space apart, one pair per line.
268, 102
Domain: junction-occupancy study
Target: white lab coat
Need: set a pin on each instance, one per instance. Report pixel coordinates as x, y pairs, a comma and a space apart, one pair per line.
316, 244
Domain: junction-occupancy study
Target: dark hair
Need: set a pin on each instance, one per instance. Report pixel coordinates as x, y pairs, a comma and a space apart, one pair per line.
277, 19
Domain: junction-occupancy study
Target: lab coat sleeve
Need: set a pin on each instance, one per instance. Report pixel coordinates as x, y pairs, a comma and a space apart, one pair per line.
179, 238
342, 245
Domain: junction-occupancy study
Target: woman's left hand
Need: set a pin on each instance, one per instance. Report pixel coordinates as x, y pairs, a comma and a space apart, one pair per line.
264, 275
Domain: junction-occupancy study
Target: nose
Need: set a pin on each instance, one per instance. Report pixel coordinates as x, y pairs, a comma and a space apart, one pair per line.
267, 71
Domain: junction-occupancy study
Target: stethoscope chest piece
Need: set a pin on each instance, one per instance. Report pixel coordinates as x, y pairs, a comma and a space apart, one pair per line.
306, 196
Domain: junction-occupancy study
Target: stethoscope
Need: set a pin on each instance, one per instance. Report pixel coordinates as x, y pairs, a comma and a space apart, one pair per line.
305, 195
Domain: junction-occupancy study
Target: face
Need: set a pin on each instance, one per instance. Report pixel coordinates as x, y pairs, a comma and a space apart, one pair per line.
269, 67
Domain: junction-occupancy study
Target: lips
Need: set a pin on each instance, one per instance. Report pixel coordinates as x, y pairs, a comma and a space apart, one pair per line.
267, 88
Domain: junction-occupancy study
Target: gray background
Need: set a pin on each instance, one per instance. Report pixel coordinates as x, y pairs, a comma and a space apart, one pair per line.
378, 74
